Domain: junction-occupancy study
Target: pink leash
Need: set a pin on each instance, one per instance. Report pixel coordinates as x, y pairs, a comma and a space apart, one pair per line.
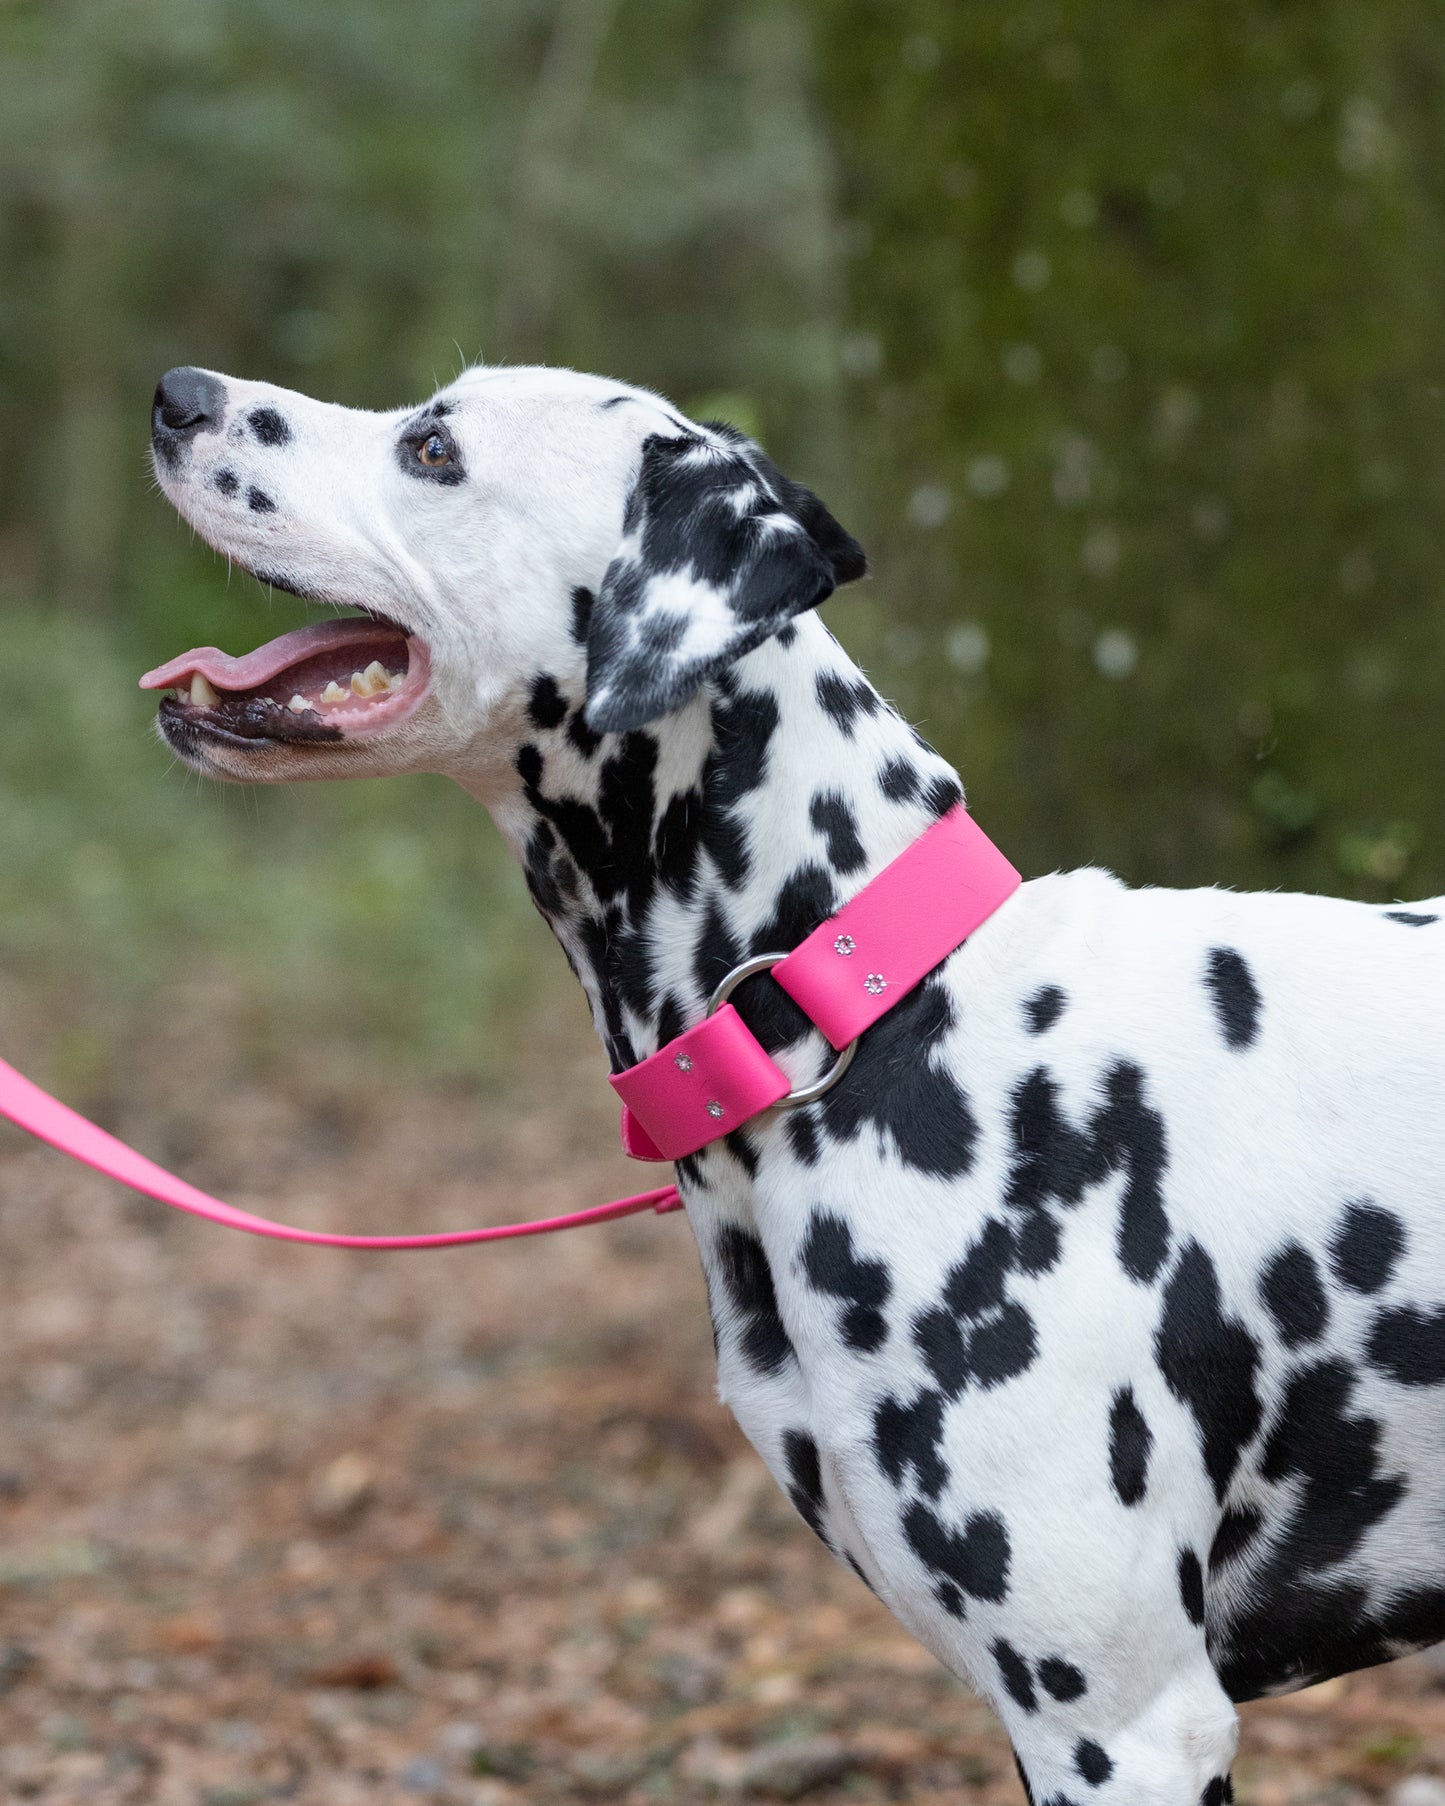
44, 1116
699, 1086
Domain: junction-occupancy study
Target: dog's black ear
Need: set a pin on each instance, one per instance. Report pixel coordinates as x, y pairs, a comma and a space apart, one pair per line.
719, 550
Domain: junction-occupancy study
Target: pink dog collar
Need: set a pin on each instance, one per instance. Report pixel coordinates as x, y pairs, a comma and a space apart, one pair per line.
704, 1083
850, 971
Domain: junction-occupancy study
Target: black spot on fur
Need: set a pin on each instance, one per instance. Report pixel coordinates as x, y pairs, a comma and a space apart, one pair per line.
1409, 918
269, 427
856, 1566
1408, 1344
975, 1560
226, 481
833, 818
1038, 1241
909, 1436
1238, 1528
1191, 1586
743, 726
1024, 1781
1218, 1792
749, 1281
940, 1341
610, 842
598, 943
547, 706
1130, 1442
259, 502
899, 781
845, 699
716, 952
950, 1598
864, 1286
1236, 995
1044, 1008
1061, 1679
942, 795
1015, 1675
530, 765
1366, 1246
976, 1287
805, 1480
1302, 1618
582, 603
1295, 1296
1055, 1163
581, 736
802, 1136
538, 867
1209, 1361
678, 842
895, 1086
1092, 1761
670, 1022
662, 634
740, 1145
1002, 1345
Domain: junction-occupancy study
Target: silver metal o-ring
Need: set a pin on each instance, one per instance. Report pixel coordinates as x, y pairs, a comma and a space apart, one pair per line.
805, 1094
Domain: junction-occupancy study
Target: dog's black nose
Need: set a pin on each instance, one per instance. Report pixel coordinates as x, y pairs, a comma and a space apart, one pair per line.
187, 401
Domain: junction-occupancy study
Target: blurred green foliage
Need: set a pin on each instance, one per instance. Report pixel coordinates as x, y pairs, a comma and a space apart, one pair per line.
1147, 346
1115, 332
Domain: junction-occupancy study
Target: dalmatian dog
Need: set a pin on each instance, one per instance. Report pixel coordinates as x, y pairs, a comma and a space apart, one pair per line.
1096, 1318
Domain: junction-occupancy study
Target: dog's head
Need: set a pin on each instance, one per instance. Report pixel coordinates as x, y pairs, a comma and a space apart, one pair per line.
524, 521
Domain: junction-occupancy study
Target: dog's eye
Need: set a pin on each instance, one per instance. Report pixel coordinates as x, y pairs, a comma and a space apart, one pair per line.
434, 452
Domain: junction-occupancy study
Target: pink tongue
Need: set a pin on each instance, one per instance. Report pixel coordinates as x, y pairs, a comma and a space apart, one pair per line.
267, 661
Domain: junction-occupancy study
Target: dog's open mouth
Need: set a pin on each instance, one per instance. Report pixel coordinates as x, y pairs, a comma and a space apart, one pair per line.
337, 680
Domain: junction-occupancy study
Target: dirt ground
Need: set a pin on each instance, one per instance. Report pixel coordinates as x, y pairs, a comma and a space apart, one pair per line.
466, 1528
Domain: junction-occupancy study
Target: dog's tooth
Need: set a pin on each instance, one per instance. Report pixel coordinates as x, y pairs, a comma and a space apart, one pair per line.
395, 679
298, 704
333, 692
371, 681
204, 694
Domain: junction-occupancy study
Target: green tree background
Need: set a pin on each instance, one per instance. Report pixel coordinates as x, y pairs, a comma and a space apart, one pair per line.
1114, 332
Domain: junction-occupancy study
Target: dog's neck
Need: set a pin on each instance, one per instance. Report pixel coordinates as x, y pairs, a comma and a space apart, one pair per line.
664, 857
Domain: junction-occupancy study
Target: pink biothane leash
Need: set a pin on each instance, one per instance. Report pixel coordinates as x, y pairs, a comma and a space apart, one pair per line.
696, 1088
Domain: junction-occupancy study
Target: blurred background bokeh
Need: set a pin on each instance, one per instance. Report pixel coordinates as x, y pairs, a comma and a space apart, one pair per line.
1115, 332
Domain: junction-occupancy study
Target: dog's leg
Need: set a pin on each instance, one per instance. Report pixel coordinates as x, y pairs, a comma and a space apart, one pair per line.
1170, 1745
1051, 1561
1102, 1677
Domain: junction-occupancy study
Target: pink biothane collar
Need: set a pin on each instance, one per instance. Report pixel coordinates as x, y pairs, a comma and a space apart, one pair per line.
850, 970
702, 1085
